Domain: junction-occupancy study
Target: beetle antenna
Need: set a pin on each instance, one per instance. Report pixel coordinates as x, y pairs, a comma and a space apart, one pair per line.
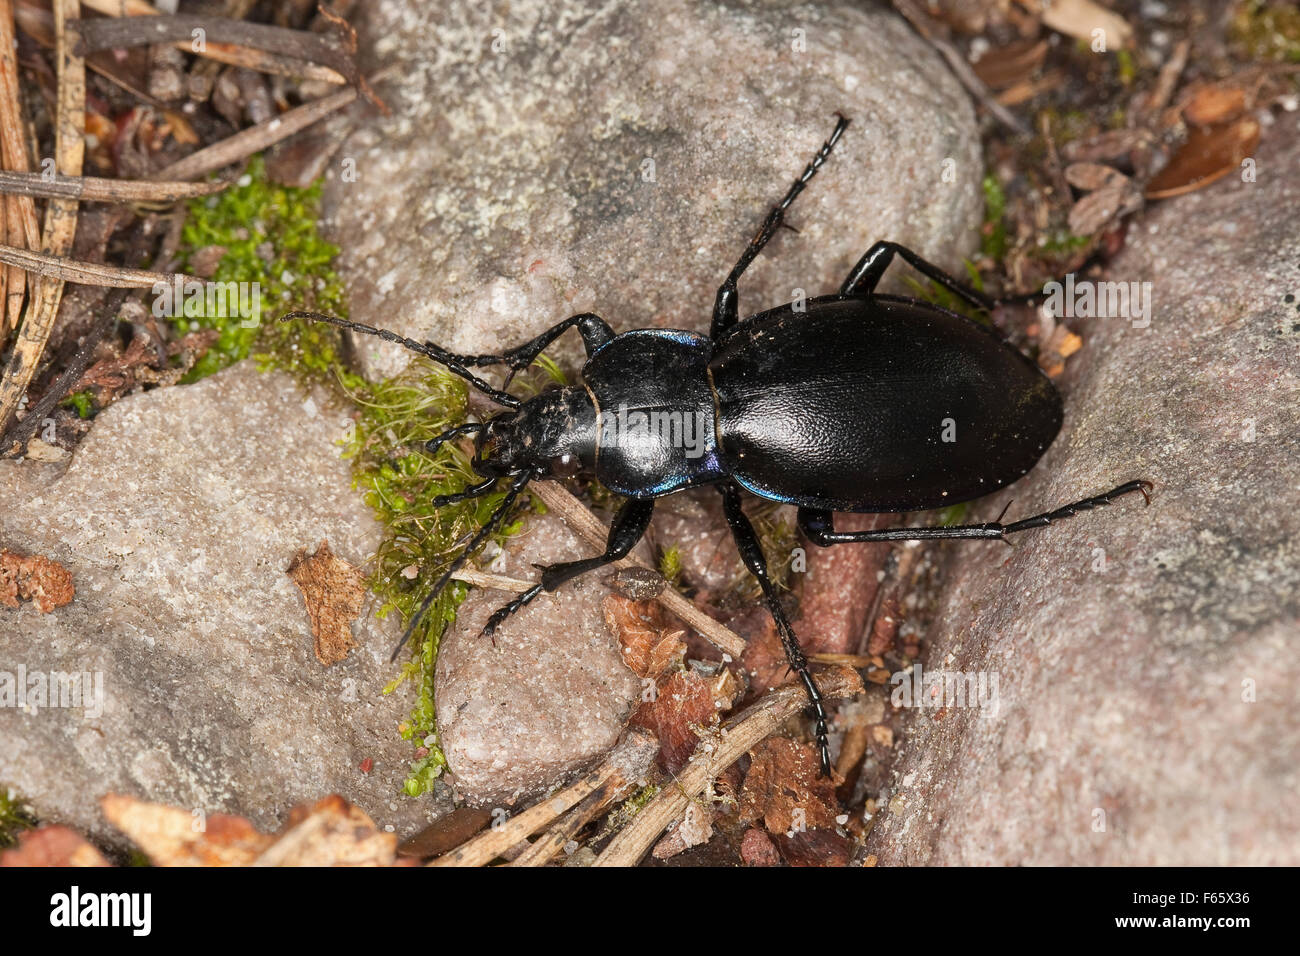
520, 480
441, 356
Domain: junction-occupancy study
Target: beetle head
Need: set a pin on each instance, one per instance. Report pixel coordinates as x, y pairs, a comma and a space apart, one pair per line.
550, 436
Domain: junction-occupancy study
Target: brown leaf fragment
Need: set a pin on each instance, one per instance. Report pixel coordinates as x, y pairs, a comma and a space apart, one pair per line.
785, 789
683, 700
334, 592
36, 578
650, 647
1214, 104
1014, 63
757, 848
814, 848
174, 836
331, 832
446, 833
1094, 211
1210, 153
52, 846
1092, 175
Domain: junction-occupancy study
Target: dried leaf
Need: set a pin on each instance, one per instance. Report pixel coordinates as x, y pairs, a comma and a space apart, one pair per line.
1081, 18
446, 833
52, 846
1014, 63
1090, 176
332, 832
1112, 144
649, 646
682, 701
785, 789
1210, 153
36, 578
1214, 104
172, 836
334, 592
1094, 211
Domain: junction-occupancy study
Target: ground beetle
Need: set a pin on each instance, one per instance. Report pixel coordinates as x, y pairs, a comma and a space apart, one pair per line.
856, 401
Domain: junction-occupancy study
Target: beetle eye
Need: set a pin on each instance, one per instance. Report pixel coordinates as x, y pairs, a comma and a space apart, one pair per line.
565, 466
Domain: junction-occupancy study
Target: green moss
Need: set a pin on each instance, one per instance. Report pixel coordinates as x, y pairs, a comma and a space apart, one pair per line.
15, 817
953, 514
670, 565
271, 237
993, 243
1127, 68
83, 402
1267, 31
396, 417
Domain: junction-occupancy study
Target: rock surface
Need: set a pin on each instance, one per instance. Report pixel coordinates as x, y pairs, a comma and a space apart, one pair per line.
1148, 711
177, 517
548, 158
548, 695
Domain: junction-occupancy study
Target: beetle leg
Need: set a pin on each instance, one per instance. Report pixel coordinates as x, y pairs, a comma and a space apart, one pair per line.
726, 305
818, 525
866, 274
751, 552
627, 529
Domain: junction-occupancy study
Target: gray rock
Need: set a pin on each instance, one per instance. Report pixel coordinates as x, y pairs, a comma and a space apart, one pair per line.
548, 158
1156, 698
517, 714
177, 517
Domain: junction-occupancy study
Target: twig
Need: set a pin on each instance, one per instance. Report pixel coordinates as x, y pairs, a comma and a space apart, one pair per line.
95, 189
739, 735
257, 46
497, 582
22, 228
223, 52
958, 64
60, 218
90, 273
589, 527
14, 443
255, 139
627, 762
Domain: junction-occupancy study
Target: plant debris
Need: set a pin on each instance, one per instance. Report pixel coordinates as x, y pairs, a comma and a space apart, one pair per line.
335, 593
650, 647
34, 578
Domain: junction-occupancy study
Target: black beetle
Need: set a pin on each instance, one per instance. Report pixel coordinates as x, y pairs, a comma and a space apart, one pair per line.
857, 401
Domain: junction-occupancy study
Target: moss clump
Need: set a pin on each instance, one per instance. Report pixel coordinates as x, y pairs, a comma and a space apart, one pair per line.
670, 565
1268, 31
395, 419
993, 242
83, 402
271, 237
15, 817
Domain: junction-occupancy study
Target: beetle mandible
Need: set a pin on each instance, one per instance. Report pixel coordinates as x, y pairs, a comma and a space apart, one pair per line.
840, 406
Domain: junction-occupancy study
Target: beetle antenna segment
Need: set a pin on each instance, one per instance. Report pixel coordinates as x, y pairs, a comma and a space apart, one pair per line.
520, 480
441, 356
